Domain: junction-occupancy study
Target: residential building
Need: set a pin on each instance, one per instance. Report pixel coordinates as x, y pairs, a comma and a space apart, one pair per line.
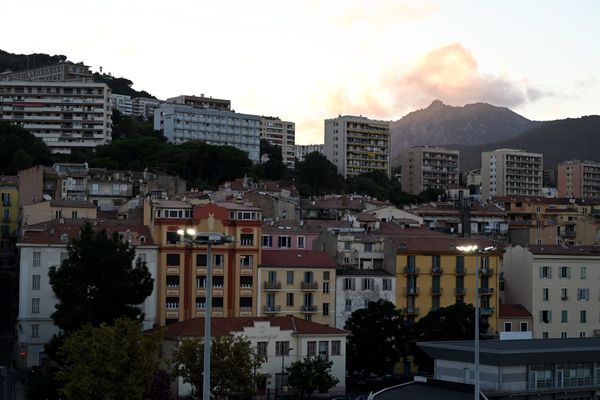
61, 181
287, 235
300, 283
432, 273
356, 145
521, 369
509, 172
388, 213
280, 133
275, 202
63, 71
201, 102
182, 123
352, 247
181, 282
123, 104
45, 245
278, 340
303, 149
107, 189
57, 210
65, 115
558, 285
144, 107
9, 196
426, 167
329, 207
514, 321
580, 179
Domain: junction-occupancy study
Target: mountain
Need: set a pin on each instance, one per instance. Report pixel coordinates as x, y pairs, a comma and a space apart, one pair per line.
560, 140
443, 125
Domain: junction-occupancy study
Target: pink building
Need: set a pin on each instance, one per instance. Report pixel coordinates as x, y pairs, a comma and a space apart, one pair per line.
294, 235
579, 179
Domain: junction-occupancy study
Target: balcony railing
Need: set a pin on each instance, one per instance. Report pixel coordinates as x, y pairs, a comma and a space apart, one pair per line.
486, 310
436, 291
487, 271
486, 291
308, 308
272, 285
271, 309
411, 270
411, 310
436, 270
460, 291
411, 291
309, 285
460, 270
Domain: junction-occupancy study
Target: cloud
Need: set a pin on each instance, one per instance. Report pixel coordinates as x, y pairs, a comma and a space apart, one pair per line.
385, 11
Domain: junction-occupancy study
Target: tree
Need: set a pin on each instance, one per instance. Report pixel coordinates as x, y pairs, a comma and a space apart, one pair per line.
160, 388
99, 282
316, 175
20, 149
233, 366
274, 168
310, 374
109, 362
377, 338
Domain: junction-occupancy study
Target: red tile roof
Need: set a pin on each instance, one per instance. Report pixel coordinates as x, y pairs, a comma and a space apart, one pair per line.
224, 326
556, 249
296, 258
513, 310
366, 217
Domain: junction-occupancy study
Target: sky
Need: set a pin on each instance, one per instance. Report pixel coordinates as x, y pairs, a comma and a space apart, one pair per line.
307, 60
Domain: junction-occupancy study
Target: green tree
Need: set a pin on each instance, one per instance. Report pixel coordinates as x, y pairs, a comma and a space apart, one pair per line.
233, 366
19, 149
316, 175
109, 362
274, 168
377, 338
430, 194
310, 374
99, 282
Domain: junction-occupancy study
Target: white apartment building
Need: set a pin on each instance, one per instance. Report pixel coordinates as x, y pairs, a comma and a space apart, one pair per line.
280, 133
559, 285
65, 115
144, 107
303, 149
181, 123
45, 246
357, 145
509, 172
62, 71
429, 167
123, 104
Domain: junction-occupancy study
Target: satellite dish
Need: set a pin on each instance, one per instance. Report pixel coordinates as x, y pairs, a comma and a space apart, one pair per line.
47, 197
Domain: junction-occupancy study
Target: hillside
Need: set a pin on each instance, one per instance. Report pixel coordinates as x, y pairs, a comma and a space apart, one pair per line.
443, 125
561, 140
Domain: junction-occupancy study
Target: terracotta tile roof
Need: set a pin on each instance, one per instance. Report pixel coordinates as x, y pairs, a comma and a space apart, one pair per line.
296, 258
71, 203
513, 310
223, 326
366, 217
557, 249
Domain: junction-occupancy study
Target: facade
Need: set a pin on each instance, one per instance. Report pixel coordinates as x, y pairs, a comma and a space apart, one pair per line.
44, 246
287, 235
9, 220
514, 319
522, 369
352, 247
300, 283
580, 179
64, 71
508, 172
280, 133
303, 149
432, 273
181, 282
65, 115
280, 341
107, 190
201, 102
123, 104
56, 210
357, 145
558, 284
181, 123
144, 107
429, 167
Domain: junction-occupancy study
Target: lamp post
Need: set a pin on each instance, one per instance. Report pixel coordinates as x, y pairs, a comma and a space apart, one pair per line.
207, 239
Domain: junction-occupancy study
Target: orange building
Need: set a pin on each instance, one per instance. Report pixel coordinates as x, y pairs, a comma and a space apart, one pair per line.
182, 268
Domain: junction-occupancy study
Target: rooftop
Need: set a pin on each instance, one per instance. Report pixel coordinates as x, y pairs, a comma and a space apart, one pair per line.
297, 259
556, 249
427, 389
513, 310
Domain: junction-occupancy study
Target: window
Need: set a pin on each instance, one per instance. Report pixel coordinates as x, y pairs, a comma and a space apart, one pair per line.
309, 277
37, 259
564, 316
200, 281
546, 316
582, 272
347, 245
173, 281
564, 272
201, 260
35, 305
387, 284
325, 287
173, 238
35, 330
282, 348
582, 316
246, 261
284, 241
289, 299
368, 284
508, 327
563, 335
524, 326
546, 272
311, 348
324, 349
35, 282
582, 334
545, 335
267, 241
545, 294
349, 284
368, 247
583, 294
564, 294
325, 309
261, 350
290, 277
301, 240
247, 239
348, 305
272, 276
336, 347
246, 282
173, 260
326, 275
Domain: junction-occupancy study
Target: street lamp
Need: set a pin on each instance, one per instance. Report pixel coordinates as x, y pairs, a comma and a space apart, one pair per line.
474, 249
197, 239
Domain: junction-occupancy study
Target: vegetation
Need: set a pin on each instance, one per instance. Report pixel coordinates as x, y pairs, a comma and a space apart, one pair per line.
120, 85
316, 175
19, 62
310, 374
233, 366
274, 169
109, 362
20, 149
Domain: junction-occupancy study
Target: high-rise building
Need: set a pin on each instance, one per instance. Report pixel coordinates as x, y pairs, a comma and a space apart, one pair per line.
509, 172
280, 133
123, 104
65, 71
201, 102
579, 179
357, 145
429, 167
303, 149
181, 123
65, 115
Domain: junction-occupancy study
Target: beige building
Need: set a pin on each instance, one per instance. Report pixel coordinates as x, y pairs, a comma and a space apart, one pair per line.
57, 210
509, 172
429, 167
201, 102
299, 283
515, 320
280, 133
302, 150
559, 285
357, 145
64, 71
579, 179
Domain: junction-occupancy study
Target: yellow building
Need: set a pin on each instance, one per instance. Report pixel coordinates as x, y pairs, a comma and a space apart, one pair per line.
431, 273
50, 210
300, 283
10, 207
182, 269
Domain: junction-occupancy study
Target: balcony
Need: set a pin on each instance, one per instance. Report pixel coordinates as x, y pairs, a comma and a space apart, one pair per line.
308, 309
272, 285
486, 291
271, 309
411, 270
436, 291
460, 270
436, 270
568, 234
460, 291
486, 271
411, 310
486, 310
411, 291
309, 285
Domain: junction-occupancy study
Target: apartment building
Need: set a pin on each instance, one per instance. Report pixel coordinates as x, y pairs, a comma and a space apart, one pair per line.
432, 273
56, 210
182, 123
509, 172
558, 284
300, 283
352, 247
580, 179
357, 145
45, 245
9, 196
201, 102
123, 104
426, 167
64, 71
65, 115
280, 133
302, 150
287, 235
144, 107
181, 282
